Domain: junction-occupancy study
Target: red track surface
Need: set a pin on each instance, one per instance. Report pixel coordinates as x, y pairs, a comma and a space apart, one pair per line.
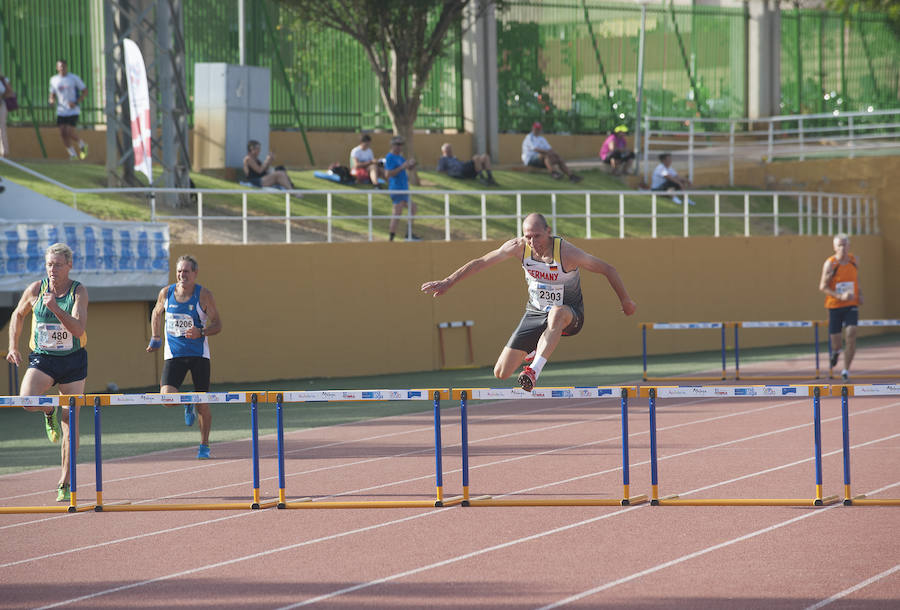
509, 557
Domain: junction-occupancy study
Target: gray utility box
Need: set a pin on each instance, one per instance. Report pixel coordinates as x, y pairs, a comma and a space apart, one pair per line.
231, 106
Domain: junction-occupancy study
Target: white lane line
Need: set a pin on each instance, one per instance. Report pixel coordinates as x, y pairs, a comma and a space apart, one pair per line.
699, 553
855, 588
394, 576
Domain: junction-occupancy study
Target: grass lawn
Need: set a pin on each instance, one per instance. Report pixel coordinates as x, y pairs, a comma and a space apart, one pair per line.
348, 201
136, 430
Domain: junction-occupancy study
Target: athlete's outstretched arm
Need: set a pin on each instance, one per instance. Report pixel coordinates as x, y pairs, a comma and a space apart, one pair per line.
511, 248
576, 257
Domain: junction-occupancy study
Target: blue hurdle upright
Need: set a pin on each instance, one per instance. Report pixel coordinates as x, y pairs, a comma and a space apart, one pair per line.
845, 392
621, 392
435, 395
724, 392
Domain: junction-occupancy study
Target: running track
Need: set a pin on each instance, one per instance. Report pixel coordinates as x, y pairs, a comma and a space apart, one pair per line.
502, 557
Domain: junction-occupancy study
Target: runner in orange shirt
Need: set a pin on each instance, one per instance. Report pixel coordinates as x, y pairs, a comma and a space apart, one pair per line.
840, 283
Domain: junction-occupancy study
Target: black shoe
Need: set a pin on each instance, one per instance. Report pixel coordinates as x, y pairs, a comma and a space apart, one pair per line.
556, 175
834, 358
414, 237
575, 178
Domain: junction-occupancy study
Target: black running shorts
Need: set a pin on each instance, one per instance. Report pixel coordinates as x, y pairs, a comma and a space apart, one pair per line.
175, 370
534, 323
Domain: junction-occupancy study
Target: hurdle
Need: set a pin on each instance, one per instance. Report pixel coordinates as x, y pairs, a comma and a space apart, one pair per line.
845, 392
622, 392
71, 401
774, 324
682, 326
863, 323
467, 324
767, 391
101, 400
280, 398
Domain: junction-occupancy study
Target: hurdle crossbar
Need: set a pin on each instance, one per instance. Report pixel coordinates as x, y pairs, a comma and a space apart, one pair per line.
683, 326
814, 324
622, 392
866, 324
68, 400
435, 395
760, 391
845, 392
101, 400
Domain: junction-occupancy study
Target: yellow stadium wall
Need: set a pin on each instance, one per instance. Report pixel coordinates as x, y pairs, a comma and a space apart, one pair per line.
327, 310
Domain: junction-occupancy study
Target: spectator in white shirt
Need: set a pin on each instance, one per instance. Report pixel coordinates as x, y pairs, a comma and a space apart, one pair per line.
363, 165
667, 179
537, 152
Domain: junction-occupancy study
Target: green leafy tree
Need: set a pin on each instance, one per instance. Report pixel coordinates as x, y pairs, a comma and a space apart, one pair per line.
401, 40
890, 8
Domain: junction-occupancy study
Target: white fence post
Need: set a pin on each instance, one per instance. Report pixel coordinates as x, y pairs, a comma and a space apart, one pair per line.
746, 215
717, 218
731, 154
621, 215
287, 218
446, 216
800, 136
199, 217
244, 216
518, 214
328, 220
553, 211
484, 217
775, 213
587, 215
690, 152
653, 215
369, 203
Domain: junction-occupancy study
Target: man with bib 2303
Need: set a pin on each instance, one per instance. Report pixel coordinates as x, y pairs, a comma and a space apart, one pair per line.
190, 316
555, 307
843, 296
59, 333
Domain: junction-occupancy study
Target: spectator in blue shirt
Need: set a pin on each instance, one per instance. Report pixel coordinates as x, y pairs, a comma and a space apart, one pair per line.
395, 167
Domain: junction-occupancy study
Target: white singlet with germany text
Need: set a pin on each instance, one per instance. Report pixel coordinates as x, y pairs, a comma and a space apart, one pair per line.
549, 284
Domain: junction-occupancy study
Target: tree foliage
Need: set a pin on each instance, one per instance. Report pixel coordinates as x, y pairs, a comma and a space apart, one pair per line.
890, 8
401, 39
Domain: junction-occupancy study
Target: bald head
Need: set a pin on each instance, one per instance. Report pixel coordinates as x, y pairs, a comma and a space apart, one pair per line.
535, 221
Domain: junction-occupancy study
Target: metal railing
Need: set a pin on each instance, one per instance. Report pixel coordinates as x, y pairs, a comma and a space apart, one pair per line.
797, 213
763, 140
623, 213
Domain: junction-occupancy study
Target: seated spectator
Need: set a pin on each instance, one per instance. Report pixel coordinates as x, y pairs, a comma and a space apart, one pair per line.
263, 174
363, 165
615, 151
479, 167
536, 152
667, 179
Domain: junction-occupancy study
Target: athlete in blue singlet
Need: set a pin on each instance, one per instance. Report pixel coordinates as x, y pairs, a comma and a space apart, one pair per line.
190, 316
554, 306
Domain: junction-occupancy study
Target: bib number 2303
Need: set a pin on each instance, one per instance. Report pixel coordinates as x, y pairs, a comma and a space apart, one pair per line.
545, 297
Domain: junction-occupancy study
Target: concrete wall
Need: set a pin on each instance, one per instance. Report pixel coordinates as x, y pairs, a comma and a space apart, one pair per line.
327, 147
327, 310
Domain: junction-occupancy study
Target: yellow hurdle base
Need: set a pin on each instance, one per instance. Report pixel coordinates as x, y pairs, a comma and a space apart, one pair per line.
488, 501
122, 508
308, 503
676, 501
22, 510
862, 500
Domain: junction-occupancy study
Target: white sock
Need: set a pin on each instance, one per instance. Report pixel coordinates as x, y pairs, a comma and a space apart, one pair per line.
538, 365
81, 144
845, 372
71, 151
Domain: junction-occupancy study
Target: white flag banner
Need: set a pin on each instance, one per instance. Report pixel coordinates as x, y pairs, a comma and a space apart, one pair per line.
139, 106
